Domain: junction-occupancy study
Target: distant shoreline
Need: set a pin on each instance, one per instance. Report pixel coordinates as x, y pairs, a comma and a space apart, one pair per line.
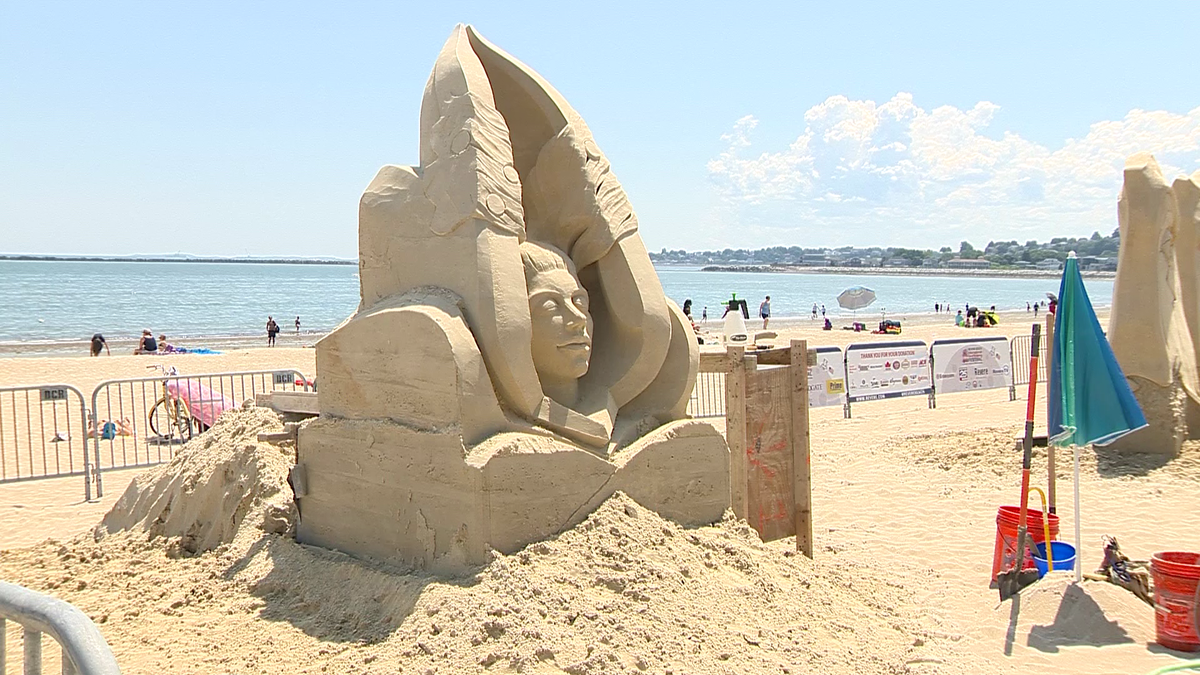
904, 271
784, 269
151, 259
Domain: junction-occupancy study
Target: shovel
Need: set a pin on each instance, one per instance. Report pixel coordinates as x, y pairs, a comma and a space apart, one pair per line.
1011, 582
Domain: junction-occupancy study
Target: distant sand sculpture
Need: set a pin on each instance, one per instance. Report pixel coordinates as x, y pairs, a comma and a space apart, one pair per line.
514, 359
1154, 304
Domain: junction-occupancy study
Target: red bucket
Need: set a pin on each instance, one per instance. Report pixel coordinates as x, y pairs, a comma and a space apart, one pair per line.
1176, 576
1007, 521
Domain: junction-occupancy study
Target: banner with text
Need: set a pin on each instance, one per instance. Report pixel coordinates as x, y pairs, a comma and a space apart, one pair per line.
887, 370
826, 378
971, 364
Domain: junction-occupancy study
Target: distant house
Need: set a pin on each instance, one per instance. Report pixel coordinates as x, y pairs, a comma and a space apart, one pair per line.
815, 260
968, 264
897, 262
1049, 264
1095, 263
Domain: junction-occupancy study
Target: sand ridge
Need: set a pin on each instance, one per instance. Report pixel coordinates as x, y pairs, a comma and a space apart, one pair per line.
200, 544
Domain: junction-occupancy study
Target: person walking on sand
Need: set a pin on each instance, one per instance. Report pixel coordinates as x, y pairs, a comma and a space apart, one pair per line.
297, 325
937, 308
822, 311
814, 317
704, 315
272, 330
764, 310
98, 341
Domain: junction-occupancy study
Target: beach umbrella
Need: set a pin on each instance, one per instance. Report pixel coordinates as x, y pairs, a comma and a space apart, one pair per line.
856, 297
1090, 399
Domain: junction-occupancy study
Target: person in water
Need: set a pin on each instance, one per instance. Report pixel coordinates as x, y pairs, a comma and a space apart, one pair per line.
98, 341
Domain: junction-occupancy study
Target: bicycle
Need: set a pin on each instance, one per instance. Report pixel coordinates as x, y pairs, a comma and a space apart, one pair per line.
170, 413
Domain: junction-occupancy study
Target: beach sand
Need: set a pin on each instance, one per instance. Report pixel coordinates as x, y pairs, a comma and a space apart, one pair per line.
904, 503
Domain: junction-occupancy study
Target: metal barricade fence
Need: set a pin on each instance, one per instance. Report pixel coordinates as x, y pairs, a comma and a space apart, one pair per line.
83, 649
141, 421
708, 396
1021, 346
43, 432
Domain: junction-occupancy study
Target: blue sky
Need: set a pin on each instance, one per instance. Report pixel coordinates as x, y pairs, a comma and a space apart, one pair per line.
252, 128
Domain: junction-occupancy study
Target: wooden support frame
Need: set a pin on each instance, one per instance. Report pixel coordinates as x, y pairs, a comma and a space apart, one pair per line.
1051, 495
801, 360
767, 428
735, 426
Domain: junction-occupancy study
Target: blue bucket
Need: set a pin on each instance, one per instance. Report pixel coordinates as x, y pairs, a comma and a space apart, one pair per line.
1064, 557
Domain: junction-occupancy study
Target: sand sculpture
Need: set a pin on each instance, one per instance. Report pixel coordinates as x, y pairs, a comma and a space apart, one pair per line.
513, 361
1149, 324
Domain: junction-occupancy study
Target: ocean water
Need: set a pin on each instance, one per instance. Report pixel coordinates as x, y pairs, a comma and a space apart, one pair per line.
794, 294
45, 303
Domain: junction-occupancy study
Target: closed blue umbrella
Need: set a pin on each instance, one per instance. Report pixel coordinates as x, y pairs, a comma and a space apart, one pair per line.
1090, 399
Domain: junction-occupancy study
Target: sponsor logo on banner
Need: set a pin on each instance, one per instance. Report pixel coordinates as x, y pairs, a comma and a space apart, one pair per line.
826, 384
887, 370
970, 364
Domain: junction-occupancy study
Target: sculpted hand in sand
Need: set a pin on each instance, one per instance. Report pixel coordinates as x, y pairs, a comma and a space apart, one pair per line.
514, 359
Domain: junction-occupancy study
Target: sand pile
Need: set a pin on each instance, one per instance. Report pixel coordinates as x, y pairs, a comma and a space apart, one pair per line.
626, 591
216, 484
1055, 613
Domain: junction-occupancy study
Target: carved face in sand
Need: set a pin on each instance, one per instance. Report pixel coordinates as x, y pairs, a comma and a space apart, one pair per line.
562, 326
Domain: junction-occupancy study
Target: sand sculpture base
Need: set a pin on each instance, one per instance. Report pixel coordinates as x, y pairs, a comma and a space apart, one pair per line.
385, 491
1166, 410
413, 460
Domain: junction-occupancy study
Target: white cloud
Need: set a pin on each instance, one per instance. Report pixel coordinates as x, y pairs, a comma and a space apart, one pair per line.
897, 174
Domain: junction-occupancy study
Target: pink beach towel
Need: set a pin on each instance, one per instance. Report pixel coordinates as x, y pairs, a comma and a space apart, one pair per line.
205, 404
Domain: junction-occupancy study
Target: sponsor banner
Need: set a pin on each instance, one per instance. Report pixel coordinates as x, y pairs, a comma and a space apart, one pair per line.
887, 370
971, 364
826, 378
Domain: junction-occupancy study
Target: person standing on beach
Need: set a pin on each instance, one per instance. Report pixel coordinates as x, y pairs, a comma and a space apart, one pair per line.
272, 330
98, 341
814, 317
1035, 310
297, 325
704, 315
937, 308
764, 310
822, 311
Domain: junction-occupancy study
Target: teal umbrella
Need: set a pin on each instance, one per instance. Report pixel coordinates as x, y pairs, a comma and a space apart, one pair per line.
1090, 399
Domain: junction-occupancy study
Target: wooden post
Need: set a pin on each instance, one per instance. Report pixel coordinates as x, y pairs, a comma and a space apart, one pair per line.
801, 464
1050, 496
735, 428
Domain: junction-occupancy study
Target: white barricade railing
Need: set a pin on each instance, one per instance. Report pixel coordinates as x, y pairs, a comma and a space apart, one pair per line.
140, 421
43, 431
827, 378
708, 396
84, 651
972, 364
1021, 347
881, 370
826, 382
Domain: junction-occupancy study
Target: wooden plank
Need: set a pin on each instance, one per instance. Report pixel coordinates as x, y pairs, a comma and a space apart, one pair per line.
801, 463
1050, 496
770, 504
735, 428
289, 401
715, 362
776, 356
